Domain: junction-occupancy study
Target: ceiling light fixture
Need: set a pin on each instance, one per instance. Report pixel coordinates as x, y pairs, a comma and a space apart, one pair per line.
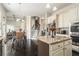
8, 3
22, 20
47, 6
54, 8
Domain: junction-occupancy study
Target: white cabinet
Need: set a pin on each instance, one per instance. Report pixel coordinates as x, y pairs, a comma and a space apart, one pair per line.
67, 17
63, 20
0, 16
61, 49
60, 21
56, 46
58, 52
72, 15
68, 50
78, 13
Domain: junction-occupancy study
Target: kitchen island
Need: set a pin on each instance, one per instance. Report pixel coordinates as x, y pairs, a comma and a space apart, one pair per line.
57, 46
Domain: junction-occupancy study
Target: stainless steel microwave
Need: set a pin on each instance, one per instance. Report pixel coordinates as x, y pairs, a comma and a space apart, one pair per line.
75, 27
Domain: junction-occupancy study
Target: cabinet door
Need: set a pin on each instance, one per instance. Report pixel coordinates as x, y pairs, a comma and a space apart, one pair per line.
60, 19
0, 18
55, 47
58, 53
68, 50
69, 16
73, 14
66, 19
78, 13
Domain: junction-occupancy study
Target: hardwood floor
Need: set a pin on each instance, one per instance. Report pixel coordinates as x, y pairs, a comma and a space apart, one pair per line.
31, 50
34, 48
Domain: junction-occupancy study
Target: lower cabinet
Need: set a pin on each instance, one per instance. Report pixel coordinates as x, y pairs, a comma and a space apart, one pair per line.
60, 53
68, 50
63, 48
57, 53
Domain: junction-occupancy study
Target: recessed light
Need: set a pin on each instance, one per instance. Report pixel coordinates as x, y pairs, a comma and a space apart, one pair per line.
18, 20
47, 6
54, 8
22, 20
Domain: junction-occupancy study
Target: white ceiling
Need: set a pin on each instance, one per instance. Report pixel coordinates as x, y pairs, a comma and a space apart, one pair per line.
31, 9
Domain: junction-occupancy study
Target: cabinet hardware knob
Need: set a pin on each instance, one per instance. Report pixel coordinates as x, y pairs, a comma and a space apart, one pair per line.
65, 48
58, 45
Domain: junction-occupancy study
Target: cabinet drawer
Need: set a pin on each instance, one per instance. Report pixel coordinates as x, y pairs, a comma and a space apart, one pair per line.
55, 46
57, 53
67, 42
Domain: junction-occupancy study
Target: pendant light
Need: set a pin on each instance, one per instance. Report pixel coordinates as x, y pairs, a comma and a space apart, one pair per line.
48, 6
54, 8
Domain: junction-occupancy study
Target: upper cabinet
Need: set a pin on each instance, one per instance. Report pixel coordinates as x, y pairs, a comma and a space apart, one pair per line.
73, 14
60, 20
67, 17
0, 16
78, 13
65, 20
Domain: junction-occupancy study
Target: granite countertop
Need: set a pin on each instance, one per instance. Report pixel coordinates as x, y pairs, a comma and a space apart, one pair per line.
54, 40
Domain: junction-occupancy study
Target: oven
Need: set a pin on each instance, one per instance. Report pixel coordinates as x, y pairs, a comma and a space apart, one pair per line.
75, 36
